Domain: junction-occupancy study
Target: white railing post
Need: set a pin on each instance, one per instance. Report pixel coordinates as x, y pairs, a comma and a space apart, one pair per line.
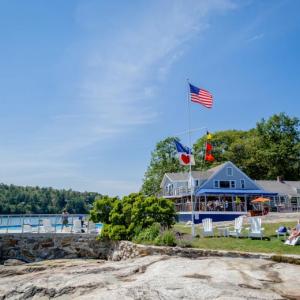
38, 223
7, 223
22, 223
72, 224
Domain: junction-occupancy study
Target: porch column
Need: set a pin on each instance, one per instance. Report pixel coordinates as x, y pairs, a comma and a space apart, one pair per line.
245, 198
233, 204
205, 202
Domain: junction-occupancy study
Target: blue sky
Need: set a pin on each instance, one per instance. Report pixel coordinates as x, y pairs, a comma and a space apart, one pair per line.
87, 88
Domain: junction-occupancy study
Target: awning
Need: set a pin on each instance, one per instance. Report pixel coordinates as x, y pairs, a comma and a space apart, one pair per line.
233, 192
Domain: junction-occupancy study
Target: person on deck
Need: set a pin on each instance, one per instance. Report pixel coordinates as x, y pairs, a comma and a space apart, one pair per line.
64, 218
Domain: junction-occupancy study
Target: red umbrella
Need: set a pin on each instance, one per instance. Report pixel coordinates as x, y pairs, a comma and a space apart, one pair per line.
260, 200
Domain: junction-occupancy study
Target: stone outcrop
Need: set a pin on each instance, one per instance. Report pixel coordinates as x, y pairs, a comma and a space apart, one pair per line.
124, 250
36, 247
151, 277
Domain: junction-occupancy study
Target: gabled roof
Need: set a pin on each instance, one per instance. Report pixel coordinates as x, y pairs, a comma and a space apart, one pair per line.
280, 187
184, 176
200, 175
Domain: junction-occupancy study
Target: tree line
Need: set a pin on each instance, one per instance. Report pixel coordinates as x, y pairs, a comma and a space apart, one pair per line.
269, 150
20, 200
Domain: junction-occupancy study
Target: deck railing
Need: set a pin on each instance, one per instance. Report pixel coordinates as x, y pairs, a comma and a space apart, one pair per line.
181, 191
11, 223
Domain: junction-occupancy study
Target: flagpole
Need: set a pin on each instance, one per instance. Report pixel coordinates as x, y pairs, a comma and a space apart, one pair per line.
190, 165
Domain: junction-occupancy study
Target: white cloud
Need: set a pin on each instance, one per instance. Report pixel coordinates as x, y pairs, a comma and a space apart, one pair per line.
256, 37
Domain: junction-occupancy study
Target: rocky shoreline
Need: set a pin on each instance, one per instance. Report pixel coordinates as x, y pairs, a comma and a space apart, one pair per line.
82, 267
151, 277
33, 248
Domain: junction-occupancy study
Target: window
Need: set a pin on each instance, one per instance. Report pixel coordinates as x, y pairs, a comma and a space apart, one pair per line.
224, 184
216, 184
196, 182
229, 171
242, 183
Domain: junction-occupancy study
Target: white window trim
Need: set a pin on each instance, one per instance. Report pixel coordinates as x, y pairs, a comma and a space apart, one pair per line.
231, 171
218, 184
243, 180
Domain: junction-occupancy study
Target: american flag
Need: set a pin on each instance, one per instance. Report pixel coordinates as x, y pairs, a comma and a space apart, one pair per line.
201, 96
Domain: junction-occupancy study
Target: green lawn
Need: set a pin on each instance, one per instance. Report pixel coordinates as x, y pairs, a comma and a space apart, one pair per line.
270, 244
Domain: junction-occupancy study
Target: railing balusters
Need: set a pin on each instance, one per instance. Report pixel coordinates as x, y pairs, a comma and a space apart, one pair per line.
20, 220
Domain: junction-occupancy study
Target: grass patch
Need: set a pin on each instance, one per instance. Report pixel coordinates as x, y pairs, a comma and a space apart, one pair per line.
271, 244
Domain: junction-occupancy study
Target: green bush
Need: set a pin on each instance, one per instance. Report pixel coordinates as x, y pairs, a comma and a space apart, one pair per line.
127, 218
167, 238
149, 234
118, 232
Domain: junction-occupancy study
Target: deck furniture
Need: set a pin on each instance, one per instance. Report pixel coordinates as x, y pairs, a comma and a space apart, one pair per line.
279, 233
92, 227
47, 226
77, 228
207, 229
27, 228
293, 242
255, 230
238, 226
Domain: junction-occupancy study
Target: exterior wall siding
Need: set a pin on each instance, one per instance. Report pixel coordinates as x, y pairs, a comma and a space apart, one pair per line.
237, 175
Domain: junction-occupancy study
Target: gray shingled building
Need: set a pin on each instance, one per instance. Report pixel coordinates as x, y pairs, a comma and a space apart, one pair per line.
288, 192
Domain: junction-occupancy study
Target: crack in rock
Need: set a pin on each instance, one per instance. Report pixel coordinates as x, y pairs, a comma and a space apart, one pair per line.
198, 276
248, 286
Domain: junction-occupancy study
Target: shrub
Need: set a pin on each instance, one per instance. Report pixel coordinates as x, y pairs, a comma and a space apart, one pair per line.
117, 232
134, 213
149, 234
167, 238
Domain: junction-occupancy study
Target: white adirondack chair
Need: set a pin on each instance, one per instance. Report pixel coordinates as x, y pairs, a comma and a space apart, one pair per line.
293, 242
238, 226
207, 229
77, 226
92, 227
27, 228
255, 228
47, 226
